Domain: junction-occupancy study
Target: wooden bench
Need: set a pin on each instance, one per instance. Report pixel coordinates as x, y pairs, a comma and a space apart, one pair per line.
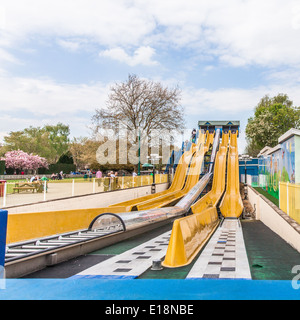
34, 186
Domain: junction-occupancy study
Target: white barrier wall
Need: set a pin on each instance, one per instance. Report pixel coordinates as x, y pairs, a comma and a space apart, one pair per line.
275, 219
95, 200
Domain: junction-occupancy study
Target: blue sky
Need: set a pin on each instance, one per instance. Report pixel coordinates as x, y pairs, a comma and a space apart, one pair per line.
58, 59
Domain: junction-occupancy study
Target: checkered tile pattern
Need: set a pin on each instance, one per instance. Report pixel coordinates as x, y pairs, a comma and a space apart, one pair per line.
224, 256
132, 262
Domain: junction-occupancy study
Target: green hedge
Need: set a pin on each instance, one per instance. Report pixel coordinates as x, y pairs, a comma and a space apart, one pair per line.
58, 167
2, 167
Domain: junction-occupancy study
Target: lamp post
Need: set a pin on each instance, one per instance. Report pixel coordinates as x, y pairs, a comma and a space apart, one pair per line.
153, 157
139, 165
245, 158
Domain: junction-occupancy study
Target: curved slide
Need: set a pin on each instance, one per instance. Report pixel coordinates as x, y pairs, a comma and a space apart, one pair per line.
177, 183
189, 234
212, 198
232, 204
192, 178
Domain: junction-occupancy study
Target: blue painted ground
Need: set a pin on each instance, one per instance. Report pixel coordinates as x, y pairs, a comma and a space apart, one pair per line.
96, 289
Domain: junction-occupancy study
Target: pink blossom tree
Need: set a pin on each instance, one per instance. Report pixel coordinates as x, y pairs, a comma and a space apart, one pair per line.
21, 160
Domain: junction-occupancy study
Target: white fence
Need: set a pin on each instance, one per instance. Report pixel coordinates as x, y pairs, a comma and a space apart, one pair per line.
19, 193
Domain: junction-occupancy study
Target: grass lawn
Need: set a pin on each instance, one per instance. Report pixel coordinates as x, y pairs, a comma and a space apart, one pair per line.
267, 195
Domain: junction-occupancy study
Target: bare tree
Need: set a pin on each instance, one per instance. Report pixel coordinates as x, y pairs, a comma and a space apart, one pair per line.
141, 112
143, 105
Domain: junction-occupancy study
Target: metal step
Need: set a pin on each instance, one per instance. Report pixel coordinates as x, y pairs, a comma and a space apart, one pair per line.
29, 248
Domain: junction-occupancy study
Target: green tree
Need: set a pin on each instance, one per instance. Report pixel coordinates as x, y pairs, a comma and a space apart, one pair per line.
272, 118
58, 139
66, 158
49, 142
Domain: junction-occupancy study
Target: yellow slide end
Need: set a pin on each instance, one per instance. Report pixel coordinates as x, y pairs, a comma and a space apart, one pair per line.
189, 235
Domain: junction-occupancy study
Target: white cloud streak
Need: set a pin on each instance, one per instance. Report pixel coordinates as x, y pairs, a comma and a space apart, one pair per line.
238, 32
142, 55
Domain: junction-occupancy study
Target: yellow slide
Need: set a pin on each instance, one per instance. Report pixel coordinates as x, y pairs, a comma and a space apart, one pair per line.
177, 183
189, 234
232, 204
192, 178
212, 198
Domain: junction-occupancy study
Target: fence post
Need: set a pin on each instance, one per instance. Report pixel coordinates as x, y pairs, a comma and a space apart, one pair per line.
45, 187
73, 187
279, 194
4, 194
287, 198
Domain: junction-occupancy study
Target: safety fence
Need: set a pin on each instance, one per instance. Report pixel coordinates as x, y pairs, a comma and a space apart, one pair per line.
125, 182
289, 199
23, 192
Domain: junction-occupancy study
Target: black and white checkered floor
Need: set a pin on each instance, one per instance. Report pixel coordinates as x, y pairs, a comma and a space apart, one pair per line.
131, 263
223, 257
225, 254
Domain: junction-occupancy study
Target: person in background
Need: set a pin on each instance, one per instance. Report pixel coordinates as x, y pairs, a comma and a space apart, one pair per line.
117, 180
90, 175
194, 136
99, 174
112, 175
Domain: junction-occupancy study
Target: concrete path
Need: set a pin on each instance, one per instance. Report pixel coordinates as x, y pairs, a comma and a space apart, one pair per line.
55, 191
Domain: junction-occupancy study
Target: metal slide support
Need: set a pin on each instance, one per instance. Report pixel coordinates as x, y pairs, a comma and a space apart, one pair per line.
214, 149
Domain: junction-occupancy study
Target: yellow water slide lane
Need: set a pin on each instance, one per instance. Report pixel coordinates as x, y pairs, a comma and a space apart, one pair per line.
190, 234
232, 204
177, 183
192, 177
218, 187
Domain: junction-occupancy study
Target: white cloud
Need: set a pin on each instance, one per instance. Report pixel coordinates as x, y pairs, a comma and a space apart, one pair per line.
105, 22
237, 32
240, 32
46, 97
231, 103
142, 55
69, 45
27, 101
